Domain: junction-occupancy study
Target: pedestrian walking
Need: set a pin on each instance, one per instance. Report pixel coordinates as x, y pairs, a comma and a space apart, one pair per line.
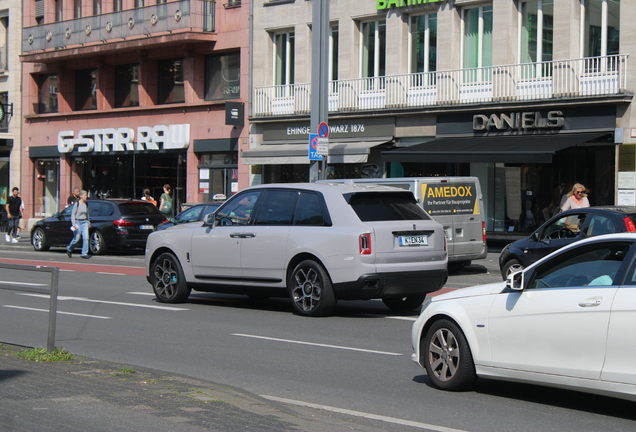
80, 222
148, 198
74, 197
22, 222
166, 201
577, 198
13, 207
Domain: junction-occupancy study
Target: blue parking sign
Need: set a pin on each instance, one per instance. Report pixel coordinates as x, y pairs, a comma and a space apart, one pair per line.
313, 140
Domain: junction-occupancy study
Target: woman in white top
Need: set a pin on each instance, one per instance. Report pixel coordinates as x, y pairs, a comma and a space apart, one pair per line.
577, 198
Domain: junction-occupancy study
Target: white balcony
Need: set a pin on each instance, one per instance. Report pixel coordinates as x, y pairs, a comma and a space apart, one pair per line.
594, 76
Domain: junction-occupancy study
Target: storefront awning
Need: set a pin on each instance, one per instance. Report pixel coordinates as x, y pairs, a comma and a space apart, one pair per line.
281, 154
500, 149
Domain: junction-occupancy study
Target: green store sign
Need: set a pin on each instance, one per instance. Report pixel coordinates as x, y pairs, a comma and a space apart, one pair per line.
386, 4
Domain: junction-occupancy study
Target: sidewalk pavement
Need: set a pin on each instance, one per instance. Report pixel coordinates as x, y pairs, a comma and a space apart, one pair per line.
96, 396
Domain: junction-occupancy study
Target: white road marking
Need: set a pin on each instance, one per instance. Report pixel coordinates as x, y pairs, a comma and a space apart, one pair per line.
317, 344
364, 415
61, 313
141, 293
107, 273
84, 299
26, 283
67, 270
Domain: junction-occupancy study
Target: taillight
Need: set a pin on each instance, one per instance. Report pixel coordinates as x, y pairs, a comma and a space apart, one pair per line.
122, 223
365, 244
629, 224
483, 230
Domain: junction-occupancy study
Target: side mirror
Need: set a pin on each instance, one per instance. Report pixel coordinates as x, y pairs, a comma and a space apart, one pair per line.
56, 214
208, 220
515, 281
172, 220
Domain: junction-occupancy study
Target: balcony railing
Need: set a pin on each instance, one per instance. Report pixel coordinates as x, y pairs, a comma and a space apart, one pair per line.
196, 15
594, 76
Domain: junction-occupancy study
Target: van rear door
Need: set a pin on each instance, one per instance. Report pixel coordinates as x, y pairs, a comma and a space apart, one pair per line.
455, 204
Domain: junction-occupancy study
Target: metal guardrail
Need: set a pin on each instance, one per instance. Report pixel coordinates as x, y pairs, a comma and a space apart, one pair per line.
52, 291
584, 77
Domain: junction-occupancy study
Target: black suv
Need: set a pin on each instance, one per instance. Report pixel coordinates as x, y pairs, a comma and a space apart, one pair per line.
115, 223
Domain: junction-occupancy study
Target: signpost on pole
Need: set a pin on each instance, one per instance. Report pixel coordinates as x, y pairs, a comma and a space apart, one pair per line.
319, 84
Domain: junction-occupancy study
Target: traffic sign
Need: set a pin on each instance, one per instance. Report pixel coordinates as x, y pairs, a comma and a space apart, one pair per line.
323, 130
322, 146
313, 144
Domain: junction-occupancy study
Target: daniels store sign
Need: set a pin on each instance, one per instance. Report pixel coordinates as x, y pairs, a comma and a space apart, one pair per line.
170, 137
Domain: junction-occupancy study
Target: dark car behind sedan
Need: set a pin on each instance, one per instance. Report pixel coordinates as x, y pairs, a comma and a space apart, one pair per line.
194, 213
115, 223
565, 228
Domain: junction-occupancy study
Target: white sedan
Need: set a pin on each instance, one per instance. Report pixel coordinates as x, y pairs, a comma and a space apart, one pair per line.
566, 321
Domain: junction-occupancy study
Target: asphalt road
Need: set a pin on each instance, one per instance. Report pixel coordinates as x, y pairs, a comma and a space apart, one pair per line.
358, 359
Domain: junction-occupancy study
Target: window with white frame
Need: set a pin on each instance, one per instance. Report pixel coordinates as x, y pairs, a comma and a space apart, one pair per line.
536, 31
333, 48
476, 41
600, 35
373, 49
423, 43
284, 50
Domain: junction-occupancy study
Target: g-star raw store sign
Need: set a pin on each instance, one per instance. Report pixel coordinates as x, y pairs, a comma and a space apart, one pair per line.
149, 138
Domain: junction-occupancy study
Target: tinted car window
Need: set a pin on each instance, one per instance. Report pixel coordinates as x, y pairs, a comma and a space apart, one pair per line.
564, 227
600, 225
135, 208
107, 209
94, 209
308, 210
237, 211
385, 206
592, 265
190, 214
277, 208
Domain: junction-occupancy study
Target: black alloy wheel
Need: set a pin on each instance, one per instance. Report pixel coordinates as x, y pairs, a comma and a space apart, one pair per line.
168, 281
311, 290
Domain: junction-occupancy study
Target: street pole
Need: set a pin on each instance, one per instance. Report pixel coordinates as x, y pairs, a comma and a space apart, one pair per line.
319, 78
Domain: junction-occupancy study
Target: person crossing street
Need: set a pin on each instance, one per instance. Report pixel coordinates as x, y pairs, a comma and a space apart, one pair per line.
80, 222
14, 211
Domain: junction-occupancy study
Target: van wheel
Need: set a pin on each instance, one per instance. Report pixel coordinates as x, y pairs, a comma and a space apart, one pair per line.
404, 304
310, 290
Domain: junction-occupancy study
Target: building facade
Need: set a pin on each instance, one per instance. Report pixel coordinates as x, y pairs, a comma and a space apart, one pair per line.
121, 96
10, 99
531, 96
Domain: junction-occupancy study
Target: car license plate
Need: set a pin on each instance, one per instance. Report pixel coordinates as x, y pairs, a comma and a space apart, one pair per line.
150, 227
419, 240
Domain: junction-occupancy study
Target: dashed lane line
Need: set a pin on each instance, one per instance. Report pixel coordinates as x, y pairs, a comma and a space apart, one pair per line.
84, 299
59, 312
316, 344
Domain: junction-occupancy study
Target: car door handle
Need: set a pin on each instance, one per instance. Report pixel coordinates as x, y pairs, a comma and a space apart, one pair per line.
236, 235
249, 235
593, 302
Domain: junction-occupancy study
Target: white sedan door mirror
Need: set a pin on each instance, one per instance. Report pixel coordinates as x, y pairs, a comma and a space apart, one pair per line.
515, 281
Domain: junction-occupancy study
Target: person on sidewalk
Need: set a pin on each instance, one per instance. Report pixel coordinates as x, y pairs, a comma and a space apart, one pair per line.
80, 223
73, 198
14, 203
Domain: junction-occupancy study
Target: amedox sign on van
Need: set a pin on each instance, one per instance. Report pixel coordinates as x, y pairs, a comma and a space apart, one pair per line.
439, 199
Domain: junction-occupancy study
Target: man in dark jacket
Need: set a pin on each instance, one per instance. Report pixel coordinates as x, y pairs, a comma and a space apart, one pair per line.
14, 212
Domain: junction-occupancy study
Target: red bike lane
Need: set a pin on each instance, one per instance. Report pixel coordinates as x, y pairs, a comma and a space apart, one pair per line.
83, 267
